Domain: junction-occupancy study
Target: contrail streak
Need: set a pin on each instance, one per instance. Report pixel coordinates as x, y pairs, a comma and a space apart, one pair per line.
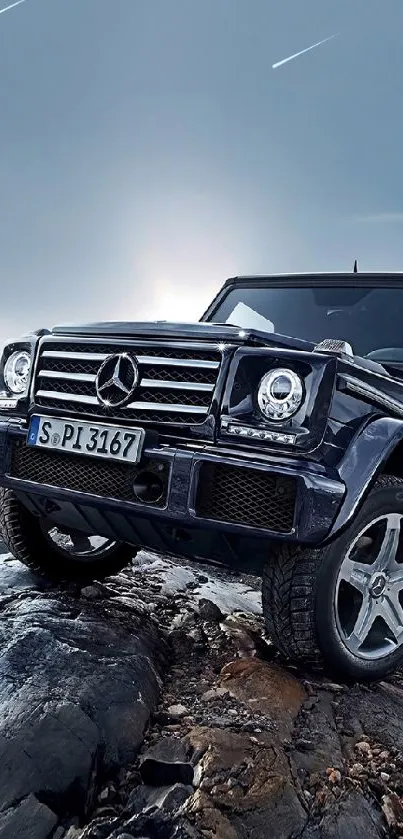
297, 54
7, 8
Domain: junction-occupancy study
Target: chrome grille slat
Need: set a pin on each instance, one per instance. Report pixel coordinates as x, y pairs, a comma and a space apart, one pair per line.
151, 383
178, 362
142, 359
81, 398
73, 377
143, 406
176, 383
156, 383
76, 356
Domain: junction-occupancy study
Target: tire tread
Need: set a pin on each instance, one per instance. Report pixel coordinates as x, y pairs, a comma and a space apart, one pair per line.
289, 591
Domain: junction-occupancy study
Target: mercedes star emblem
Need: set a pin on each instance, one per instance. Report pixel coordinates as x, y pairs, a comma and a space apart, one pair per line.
116, 380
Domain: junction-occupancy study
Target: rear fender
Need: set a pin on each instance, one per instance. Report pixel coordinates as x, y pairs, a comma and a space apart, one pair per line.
362, 463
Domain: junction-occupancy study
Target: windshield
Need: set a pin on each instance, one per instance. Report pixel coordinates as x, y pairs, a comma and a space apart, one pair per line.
370, 319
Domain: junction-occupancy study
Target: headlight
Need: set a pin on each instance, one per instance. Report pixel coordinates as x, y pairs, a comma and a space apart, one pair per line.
16, 372
280, 394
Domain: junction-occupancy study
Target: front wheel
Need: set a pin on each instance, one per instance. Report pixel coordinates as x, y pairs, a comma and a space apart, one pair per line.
343, 604
54, 552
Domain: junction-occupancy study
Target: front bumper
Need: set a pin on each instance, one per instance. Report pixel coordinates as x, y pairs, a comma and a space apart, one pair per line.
214, 500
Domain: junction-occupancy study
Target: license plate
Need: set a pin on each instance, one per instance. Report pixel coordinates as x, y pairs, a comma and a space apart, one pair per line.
92, 439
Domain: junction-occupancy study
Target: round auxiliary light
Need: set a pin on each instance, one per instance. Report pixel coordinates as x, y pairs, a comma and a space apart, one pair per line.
280, 394
16, 372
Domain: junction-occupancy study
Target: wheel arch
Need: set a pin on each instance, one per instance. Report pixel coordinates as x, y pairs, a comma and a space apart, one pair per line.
393, 464
376, 450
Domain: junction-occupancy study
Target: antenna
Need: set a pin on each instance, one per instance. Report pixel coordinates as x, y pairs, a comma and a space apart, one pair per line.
355, 269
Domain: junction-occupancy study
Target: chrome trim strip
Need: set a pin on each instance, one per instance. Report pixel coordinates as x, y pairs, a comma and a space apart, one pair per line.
137, 406
142, 359
77, 356
164, 383
173, 408
177, 362
369, 392
150, 383
69, 397
73, 377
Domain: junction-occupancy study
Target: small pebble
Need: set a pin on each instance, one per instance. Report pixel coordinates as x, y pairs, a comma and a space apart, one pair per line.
209, 611
356, 770
177, 710
214, 693
333, 686
363, 747
385, 777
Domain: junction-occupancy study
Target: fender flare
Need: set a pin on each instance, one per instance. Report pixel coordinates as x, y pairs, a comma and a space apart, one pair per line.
361, 465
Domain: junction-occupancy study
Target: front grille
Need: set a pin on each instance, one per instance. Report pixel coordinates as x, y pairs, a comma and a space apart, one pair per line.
176, 384
240, 495
83, 474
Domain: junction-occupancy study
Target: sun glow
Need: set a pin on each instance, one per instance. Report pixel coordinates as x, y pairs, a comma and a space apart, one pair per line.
192, 239
176, 302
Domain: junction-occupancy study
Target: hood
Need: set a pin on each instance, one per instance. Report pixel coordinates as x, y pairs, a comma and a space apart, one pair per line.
200, 331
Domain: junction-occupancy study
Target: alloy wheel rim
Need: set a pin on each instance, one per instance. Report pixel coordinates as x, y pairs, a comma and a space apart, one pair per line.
368, 599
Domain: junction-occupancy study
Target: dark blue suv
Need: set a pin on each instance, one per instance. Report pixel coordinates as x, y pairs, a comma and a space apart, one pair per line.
268, 436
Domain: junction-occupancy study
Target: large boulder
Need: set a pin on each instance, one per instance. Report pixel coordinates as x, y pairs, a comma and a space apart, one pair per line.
80, 673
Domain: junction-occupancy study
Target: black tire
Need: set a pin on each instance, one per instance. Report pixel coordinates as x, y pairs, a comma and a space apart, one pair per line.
298, 591
24, 538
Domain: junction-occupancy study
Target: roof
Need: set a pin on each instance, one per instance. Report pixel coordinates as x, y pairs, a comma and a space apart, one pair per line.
372, 278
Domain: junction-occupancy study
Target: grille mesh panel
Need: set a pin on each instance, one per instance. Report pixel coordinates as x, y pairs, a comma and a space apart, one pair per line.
239, 495
193, 405
82, 474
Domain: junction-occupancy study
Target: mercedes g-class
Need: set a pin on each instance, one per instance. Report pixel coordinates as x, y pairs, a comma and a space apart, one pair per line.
267, 436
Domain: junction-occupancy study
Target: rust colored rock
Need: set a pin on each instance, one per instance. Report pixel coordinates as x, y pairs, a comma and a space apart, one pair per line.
268, 689
208, 818
264, 792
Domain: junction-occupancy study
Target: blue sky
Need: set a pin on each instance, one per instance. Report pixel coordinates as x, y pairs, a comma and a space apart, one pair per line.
148, 150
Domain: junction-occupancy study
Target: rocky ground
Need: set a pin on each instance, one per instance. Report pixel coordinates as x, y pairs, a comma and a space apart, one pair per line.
153, 706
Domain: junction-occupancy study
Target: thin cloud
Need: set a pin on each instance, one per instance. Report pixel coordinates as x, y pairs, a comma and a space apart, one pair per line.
302, 52
378, 218
7, 8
